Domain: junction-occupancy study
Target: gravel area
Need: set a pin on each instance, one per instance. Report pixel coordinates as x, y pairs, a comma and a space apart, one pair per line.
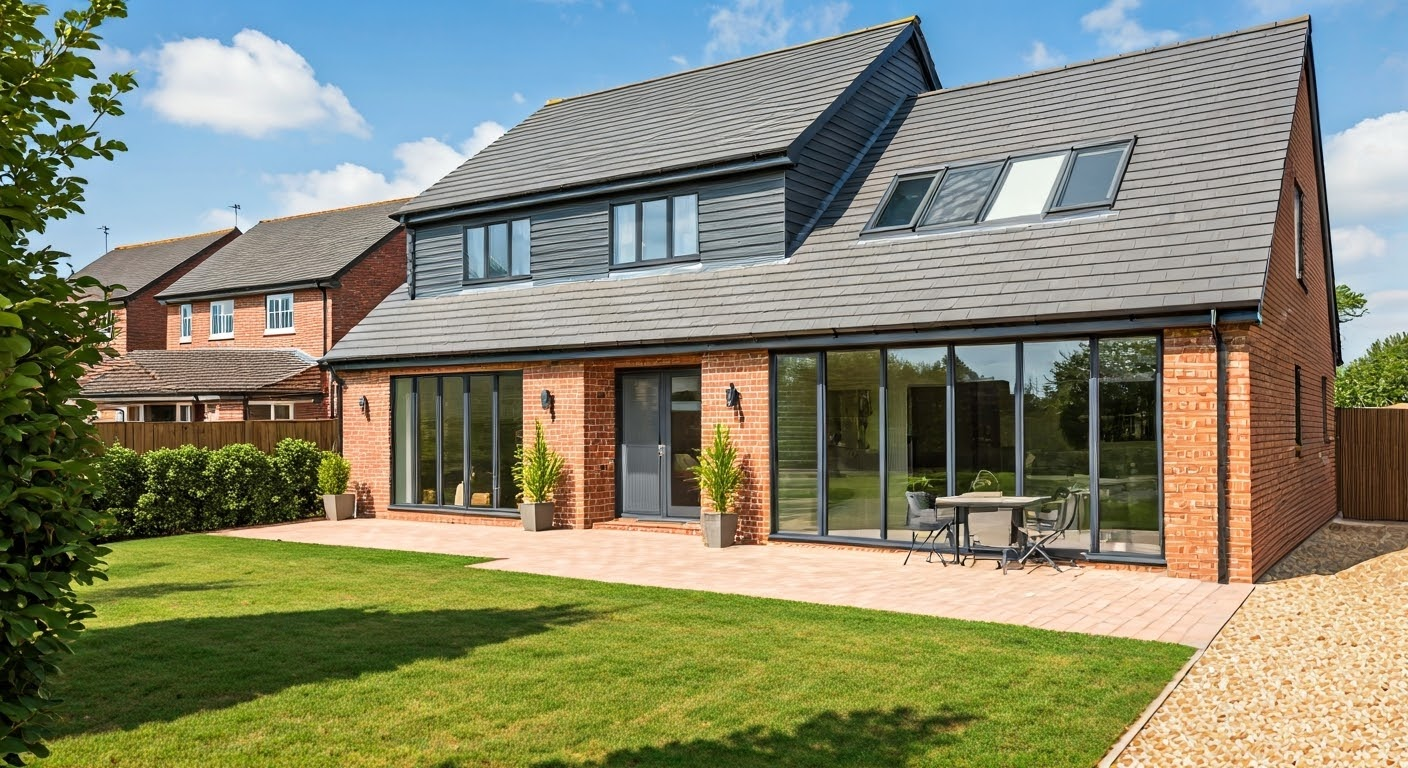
1312, 671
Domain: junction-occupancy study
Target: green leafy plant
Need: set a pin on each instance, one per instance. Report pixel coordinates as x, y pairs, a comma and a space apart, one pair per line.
334, 472
537, 468
241, 481
123, 479
176, 492
296, 463
1377, 378
719, 472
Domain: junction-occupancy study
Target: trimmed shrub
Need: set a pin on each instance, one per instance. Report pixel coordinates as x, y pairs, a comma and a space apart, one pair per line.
296, 464
122, 479
333, 473
242, 484
176, 494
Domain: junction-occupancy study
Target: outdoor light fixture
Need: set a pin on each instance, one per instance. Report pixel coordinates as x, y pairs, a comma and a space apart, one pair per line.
546, 400
731, 396
364, 405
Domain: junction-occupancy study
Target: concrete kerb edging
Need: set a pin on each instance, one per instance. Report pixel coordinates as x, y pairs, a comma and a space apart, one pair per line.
1158, 702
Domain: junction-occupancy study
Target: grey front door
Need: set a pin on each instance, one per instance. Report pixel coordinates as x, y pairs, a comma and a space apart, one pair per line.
658, 442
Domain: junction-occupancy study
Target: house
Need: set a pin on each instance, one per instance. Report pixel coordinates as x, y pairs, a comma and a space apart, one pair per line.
241, 333
1109, 283
140, 272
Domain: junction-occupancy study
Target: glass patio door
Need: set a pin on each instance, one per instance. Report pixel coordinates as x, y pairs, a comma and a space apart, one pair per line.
658, 443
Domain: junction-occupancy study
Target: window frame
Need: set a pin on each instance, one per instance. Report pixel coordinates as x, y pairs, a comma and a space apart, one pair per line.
273, 406
1326, 408
1064, 179
186, 317
465, 278
638, 205
269, 329
1048, 210
1299, 419
230, 305
1298, 219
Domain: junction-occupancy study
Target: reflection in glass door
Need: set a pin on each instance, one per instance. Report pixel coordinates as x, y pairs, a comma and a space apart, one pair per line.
658, 445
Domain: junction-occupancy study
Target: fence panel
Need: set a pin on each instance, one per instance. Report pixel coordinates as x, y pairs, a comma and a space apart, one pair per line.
143, 436
1372, 458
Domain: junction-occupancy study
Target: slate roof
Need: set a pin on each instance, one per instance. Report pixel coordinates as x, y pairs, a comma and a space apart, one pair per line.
139, 265
1190, 230
736, 110
294, 250
205, 371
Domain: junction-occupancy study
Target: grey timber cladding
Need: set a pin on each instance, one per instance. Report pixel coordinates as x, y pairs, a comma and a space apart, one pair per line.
292, 250
835, 150
135, 267
726, 112
1190, 229
740, 220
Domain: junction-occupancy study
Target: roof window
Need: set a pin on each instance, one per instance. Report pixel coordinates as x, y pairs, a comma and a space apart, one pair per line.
1024, 187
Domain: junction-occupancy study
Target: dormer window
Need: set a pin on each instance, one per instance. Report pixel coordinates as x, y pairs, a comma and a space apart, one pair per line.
655, 230
1024, 187
498, 250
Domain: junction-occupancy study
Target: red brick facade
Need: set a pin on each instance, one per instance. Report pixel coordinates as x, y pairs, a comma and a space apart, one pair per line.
583, 431
141, 320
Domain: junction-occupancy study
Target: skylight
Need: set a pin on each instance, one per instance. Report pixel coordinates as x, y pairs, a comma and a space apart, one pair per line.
1024, 187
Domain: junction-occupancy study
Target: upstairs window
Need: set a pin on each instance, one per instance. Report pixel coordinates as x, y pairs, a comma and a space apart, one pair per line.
499, 250
655, 230
278, 312
1021, 187
185, 323
222, 319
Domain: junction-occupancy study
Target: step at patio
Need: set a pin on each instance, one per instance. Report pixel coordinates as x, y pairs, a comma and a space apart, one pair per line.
686, 527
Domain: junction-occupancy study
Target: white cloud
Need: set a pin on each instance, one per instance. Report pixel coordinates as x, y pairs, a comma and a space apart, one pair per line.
749, 26
1041, 57
1388, 313
1119, 32
680, 61
224, 218
112, 59
1367, 169
1281, 9
518, 98
1357, 243
255, 87
422, 163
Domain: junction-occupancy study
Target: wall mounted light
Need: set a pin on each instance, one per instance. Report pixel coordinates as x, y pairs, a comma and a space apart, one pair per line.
731, 396
547, 401
364, 405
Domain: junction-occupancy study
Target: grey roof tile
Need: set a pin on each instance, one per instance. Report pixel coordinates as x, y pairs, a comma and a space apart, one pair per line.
295, 249
137, 266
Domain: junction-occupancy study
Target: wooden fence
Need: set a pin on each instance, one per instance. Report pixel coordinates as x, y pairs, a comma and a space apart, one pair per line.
1372, 454
143, 436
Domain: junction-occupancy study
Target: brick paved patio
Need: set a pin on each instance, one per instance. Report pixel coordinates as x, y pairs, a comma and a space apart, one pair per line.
1144, 606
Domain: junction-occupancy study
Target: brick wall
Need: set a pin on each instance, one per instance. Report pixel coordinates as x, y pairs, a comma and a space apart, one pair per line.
251, 322
118, 340
582, 428
369, 281
146, 317
1292, 487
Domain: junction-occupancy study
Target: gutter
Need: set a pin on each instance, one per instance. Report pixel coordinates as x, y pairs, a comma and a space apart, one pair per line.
181, 298
1223, 526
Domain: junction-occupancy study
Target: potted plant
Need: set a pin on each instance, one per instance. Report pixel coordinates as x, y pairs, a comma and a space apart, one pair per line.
333, 474
720, 479
537, 470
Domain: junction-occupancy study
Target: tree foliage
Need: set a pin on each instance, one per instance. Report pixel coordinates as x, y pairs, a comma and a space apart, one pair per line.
49, 332
1377, 378
1350, 303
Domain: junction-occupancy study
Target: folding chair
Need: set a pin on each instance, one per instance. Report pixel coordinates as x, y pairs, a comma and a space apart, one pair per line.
922, 517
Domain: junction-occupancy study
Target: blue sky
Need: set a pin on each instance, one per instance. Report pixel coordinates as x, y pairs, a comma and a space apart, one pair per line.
286, 107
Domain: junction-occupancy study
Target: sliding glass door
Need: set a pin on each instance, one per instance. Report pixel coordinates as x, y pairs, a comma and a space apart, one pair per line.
453, 439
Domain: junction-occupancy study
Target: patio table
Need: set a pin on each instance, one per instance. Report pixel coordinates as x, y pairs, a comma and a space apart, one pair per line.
964, 504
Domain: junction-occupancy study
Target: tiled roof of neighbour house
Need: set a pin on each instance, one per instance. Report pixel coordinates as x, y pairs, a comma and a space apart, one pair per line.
734, 111
293, 250
1190, 229
195, 371
137, 266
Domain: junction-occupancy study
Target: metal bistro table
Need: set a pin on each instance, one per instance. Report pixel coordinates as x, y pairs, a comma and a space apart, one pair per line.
964, 504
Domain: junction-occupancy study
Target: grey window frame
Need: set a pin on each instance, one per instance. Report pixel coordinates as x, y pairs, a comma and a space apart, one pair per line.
465, 279
637, 205
1299, 222
1299, 397
937, 174
1065, 178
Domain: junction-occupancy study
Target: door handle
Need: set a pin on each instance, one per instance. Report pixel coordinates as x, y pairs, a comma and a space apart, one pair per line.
661, 449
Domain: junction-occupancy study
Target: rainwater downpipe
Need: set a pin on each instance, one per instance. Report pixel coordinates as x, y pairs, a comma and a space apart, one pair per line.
1222, 463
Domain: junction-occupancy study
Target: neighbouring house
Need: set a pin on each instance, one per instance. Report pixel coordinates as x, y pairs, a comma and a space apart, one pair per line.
1109, 282
241, 333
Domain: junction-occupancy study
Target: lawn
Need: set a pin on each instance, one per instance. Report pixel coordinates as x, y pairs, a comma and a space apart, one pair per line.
215, 651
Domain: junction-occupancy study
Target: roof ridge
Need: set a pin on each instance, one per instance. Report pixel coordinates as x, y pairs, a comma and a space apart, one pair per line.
338, 210
905, 20
163, 241
1305, 18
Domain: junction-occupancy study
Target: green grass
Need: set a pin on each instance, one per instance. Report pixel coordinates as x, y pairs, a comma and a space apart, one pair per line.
213, 651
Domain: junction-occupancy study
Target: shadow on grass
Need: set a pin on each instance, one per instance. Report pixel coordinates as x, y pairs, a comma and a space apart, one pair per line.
860, 738
161, 589
124, 677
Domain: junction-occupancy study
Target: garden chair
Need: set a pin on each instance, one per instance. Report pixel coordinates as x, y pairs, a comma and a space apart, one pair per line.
922, 517
1041, 527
